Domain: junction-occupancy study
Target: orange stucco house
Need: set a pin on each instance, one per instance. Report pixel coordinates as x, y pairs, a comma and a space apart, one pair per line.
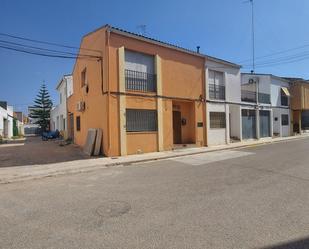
145, 95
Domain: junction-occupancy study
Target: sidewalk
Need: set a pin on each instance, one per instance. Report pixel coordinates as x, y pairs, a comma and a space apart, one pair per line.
28, 172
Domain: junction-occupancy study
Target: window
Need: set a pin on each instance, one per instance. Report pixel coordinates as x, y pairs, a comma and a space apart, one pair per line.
60, 97
140, 72
64, 124
141, 120
216, 85
78, 123
284, 98
84, 77
284, 119
217, 120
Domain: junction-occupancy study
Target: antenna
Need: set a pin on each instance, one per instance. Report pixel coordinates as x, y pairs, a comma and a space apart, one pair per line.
252, 34
141, 29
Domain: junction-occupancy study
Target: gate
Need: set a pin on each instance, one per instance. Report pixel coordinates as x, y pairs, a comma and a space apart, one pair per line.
248, 123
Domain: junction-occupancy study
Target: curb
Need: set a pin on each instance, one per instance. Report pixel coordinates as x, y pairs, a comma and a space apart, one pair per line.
35, 176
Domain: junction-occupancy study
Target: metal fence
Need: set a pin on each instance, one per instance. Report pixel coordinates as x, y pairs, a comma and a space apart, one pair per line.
248, 96
140, 81
216, 91
264, 98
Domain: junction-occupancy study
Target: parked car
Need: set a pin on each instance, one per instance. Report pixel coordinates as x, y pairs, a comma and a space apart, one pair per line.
50, 135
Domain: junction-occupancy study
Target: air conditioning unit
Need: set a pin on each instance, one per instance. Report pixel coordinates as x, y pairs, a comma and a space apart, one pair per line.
253, 80
80, 106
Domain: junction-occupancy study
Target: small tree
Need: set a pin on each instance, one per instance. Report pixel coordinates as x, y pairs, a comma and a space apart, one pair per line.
41, 108
15, 128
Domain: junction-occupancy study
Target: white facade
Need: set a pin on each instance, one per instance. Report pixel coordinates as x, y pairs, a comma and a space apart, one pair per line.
224, 101
6, 121
58, 115
270, 90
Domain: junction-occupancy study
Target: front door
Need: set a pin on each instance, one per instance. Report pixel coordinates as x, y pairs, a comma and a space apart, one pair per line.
248, 124
264, 123
177, 127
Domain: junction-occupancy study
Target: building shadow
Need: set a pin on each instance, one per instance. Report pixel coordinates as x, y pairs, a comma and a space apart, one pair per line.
293, 244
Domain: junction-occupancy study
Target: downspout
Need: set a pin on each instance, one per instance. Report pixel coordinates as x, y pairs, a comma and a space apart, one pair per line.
108, 95
204, 103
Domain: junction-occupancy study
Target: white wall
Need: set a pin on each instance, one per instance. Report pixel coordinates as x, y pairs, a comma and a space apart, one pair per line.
58, 115
6, 121
235, 121
282, 130
263, 81
231, 80
217, 136
231, 77
276, 85
69, 85
3, 114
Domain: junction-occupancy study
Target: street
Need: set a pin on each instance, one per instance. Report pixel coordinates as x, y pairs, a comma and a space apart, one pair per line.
246, 198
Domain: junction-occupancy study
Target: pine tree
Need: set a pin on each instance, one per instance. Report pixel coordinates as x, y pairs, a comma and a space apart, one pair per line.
41, 108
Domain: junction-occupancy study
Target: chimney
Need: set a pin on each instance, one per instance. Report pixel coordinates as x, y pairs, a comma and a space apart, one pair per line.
198, 49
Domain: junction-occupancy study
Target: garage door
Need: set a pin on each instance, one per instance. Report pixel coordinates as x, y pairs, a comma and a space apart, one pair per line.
265, 124
248, 123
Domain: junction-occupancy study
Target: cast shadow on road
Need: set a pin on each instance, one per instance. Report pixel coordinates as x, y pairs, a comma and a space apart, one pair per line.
293, 244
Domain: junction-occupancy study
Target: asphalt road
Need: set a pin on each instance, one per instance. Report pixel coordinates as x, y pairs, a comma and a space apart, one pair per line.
252, 198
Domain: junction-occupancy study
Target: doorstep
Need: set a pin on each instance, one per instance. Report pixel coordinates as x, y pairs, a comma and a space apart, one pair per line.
29, 172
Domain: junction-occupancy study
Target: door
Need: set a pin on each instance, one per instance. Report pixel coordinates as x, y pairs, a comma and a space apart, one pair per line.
177, 127
248, 123
265, 124
71, 127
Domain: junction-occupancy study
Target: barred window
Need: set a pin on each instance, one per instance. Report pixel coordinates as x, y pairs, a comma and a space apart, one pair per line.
141, 120
284, 119
217, 120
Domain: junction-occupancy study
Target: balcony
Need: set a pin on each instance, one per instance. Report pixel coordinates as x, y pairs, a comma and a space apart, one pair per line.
140, 81
264, 98
250, 96
216, 91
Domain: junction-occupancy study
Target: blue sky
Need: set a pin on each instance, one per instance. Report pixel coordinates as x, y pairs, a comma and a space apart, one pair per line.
221, 27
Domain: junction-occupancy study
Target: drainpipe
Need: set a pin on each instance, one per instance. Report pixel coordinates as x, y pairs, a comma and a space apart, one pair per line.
108, 95
204, 104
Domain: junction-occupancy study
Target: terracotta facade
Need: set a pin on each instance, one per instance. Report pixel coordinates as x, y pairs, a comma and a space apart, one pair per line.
180, 81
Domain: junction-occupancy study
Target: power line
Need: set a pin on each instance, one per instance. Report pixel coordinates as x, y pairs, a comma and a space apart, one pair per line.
276, 53
282, 59
45, 42
286, 61
48, 50
41, 54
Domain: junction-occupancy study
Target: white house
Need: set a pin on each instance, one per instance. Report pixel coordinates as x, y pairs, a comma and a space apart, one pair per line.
6, 120
58, 115
222, 101
267, 110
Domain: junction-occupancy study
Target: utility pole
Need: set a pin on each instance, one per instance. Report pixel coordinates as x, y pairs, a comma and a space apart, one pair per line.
252, 34
253, 42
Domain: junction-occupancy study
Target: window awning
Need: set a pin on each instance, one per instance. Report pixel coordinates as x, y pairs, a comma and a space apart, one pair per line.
286, 91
